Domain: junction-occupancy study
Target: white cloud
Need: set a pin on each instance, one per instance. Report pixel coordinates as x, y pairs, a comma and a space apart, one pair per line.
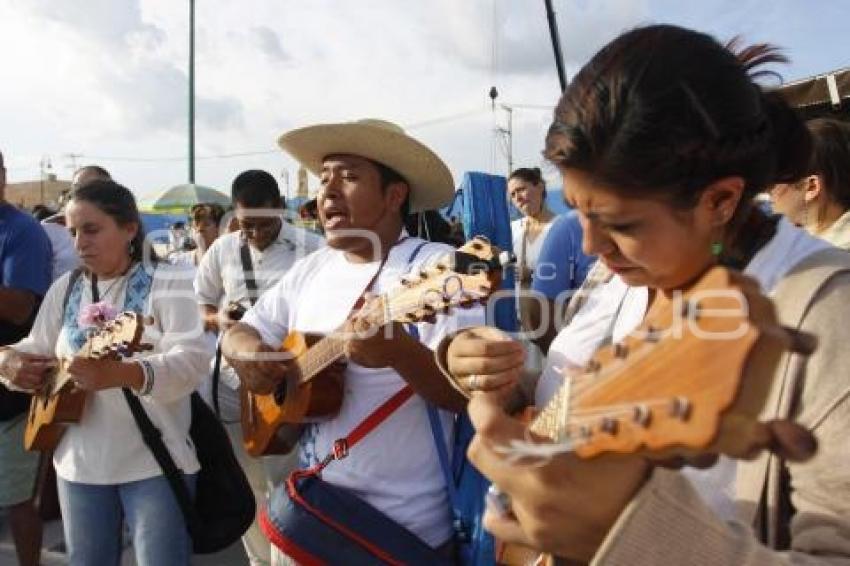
108, 78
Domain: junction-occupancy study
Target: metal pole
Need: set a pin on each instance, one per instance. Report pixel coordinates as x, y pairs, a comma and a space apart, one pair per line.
556, 45
191, 91
510, 139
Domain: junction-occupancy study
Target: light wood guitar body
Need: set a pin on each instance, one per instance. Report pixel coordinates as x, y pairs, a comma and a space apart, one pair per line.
461, 278
264, 415
59, 404
691, 380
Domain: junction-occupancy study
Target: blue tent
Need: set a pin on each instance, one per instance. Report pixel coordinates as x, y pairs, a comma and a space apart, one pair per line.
485, 213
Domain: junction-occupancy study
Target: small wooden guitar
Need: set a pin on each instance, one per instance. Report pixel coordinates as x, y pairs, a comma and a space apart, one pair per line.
692, 379
59, 404
461, 278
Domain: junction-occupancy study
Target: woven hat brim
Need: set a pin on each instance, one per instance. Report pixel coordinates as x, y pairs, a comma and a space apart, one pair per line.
431, 184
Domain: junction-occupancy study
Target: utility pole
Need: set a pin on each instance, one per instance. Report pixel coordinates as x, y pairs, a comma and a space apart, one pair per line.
192, 91
73, 157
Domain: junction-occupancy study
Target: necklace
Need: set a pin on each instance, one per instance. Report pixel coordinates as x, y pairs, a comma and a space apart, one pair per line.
95, 292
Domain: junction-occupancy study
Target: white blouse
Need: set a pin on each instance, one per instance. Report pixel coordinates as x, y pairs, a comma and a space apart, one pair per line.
106, 447
526, 251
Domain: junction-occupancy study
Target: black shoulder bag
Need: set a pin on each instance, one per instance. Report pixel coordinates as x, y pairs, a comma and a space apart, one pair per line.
224, 505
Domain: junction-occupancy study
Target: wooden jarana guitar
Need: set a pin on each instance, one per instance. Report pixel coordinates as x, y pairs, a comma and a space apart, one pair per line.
692, 379
460, 278
59, 404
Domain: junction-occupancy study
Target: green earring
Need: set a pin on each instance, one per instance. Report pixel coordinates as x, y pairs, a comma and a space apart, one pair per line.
716, 248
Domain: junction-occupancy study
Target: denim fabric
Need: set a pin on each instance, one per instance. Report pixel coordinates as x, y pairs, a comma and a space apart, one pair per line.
92, 517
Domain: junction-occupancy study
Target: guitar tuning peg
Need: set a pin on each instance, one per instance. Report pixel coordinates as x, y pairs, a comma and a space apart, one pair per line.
506, 258
621, 350
609, 426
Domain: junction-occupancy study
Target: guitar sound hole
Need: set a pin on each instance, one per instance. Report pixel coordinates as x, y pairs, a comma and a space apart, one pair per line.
280, 394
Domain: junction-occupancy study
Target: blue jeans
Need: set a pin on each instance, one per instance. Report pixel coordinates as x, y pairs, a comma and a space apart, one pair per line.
92, 518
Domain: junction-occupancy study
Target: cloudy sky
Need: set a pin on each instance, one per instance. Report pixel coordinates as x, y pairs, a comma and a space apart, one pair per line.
105, 81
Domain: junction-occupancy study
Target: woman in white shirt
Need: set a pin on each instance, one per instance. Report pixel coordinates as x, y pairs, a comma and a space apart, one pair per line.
820, 201
527, 192
105, 471
663, 139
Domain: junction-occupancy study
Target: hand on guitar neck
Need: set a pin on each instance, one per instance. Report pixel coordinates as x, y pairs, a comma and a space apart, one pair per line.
690, 381
566, 506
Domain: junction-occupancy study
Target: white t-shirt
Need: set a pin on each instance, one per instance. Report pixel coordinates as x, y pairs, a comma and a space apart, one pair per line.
65, 256
220, 280
106, 446
615, 309
395, 468
532, 248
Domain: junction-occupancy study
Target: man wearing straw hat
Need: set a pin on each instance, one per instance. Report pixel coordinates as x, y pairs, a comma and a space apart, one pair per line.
372, 174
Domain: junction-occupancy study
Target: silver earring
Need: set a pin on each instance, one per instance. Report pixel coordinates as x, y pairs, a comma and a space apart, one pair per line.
131, 248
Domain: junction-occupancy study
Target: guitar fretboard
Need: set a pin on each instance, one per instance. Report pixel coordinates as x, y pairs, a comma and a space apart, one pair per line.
551, 422
332, 347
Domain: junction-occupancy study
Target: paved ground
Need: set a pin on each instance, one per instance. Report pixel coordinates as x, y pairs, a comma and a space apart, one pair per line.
52, 555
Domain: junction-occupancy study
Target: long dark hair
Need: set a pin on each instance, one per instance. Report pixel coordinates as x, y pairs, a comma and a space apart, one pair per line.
118, 202
531, 175
665, 111
831, 158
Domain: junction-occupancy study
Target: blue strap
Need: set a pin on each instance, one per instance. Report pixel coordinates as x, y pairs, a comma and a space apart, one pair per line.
135, 297
434, 415
443, 453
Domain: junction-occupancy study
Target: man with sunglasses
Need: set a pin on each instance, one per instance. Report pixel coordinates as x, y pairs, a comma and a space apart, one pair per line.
232, 274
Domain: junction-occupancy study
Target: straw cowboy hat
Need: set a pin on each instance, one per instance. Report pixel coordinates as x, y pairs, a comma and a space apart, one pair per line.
431, 184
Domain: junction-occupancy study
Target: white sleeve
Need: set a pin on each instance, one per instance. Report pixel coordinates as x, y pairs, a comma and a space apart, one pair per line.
270, 315
181, 355
209, 285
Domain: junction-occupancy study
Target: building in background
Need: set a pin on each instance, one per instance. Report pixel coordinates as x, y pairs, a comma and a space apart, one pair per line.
50, 192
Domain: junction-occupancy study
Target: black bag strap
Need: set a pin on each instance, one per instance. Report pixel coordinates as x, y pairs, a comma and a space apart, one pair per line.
253, 295
153, 439
72, 280
248, 272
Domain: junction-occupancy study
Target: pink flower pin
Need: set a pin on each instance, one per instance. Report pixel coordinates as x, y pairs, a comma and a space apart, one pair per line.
96, 314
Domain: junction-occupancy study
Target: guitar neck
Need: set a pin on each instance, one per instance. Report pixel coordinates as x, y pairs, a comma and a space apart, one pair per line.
61, 377
320, 355
332, 347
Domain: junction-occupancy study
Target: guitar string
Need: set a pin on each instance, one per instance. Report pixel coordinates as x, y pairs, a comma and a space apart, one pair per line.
385, 309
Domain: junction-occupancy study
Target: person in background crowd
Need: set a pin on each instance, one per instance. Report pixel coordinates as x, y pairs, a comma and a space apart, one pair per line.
106, 473
204, 224
662, 140
41, 212
177, 237
273, 247
820, 201
561, 269
527, 192
24, 279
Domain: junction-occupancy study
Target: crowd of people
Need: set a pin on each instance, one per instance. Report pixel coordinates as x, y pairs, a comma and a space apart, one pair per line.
663, 140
